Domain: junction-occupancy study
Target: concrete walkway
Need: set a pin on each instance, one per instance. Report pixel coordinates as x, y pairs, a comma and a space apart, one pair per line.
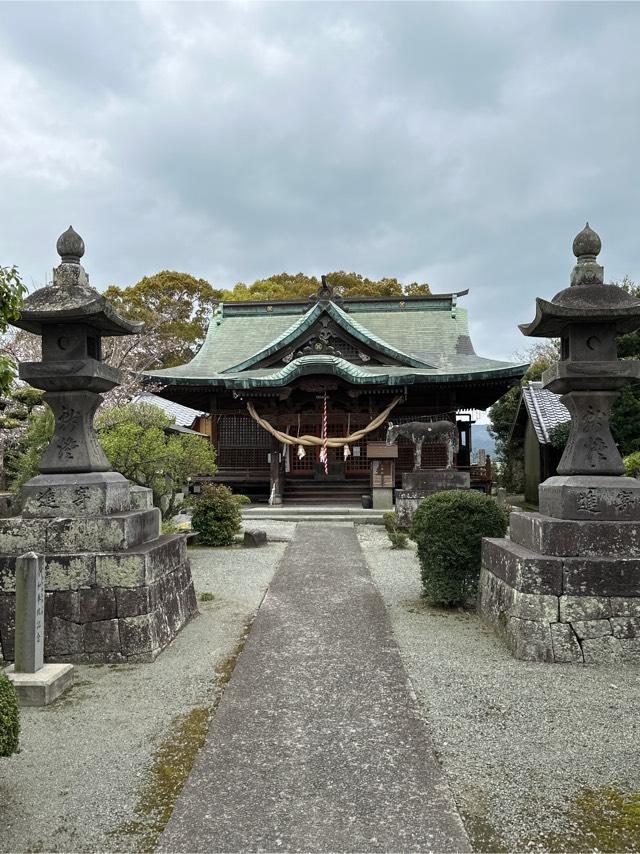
318, 743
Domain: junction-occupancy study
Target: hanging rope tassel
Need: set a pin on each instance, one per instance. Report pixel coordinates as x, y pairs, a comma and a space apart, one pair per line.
347, 449
301, 451
324, 454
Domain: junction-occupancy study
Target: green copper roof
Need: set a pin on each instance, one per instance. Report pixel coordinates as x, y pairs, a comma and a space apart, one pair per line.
427, 336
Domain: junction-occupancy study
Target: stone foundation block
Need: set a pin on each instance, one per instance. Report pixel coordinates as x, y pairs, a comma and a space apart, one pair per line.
18, 537
255, 538
521, 568
621, 607
42, 687
590, 498
141, 497
571, 538
102, 636
586, 629
63, 638
566, 649
603, 576
143, 564
606, 650
68, 495
103, 533
579, 608
529, 640
626, 627
138, 636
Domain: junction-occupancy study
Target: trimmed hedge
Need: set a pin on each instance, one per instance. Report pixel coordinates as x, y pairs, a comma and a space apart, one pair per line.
448, 528
216, 516
9, 719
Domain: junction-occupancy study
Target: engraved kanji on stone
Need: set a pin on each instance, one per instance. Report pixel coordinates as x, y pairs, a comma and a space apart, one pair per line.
47, 498
593, 420
625, 501
80, 495
68, 417
588, 501
66, 445
596, 451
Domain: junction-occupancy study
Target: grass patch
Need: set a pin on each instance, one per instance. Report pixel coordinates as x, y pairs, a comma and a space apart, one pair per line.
603, 819
172, 762
206, 596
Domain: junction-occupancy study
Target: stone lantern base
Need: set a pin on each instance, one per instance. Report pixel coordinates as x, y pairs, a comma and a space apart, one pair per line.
566, 586
115, 589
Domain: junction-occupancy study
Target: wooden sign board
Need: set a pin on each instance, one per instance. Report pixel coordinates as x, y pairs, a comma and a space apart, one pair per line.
381, 451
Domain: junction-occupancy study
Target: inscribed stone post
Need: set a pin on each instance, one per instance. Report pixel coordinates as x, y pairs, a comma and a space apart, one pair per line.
29, 613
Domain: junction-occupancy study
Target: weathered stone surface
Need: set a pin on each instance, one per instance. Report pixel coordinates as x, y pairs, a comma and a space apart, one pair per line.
603, 576
66, 605
606, 650
70, 572
138, 636
134, 601
254, 538
575, 608
18, 537
498, 601
591, 628
143, 564
529, 640
7, 625
630, 650
621, 607
7, 573
626, 627
566, 648
522, 568
103, 636
570, 538
97, 604
103, 533
599, 499
141, 497
64, 638
428, 481
68, 495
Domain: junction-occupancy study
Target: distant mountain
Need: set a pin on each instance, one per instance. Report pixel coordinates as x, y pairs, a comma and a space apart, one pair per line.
481, 438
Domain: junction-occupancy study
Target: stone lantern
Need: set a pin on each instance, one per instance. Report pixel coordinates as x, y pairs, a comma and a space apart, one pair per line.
566, 585
72, 318
115, 588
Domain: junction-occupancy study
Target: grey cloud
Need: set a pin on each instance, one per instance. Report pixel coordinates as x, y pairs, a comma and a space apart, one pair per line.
460, 143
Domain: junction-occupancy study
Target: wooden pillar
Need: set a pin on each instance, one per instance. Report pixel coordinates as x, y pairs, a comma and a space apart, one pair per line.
275, 473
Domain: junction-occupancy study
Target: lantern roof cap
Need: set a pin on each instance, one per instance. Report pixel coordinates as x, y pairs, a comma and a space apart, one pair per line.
70, 299
588, 299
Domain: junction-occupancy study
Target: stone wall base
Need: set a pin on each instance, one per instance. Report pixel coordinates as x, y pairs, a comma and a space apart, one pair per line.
115, 590
558, 592
417, 485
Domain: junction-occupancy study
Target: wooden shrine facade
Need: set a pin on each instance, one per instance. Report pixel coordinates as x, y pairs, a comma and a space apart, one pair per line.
363, 354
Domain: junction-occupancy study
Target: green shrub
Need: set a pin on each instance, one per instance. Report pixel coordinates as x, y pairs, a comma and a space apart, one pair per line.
632, 464
216, 516
396, 534
448, 528
559, 435
206, 596
9, 720
242, 500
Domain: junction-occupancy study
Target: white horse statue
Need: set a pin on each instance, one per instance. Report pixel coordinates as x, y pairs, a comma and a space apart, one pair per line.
433, 433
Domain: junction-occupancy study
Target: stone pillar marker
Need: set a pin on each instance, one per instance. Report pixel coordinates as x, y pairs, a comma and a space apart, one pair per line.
29, 613
36, 683
566, 585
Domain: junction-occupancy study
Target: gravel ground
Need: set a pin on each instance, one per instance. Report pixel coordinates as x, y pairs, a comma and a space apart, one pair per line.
87, 760
539, 757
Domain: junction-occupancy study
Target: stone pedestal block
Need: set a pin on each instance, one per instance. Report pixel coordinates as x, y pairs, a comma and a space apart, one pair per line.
42, 687
65, 495
416, 485
115, 590
382, 498
593, 499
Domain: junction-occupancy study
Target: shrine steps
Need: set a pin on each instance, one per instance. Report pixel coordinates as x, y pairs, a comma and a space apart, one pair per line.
330, 514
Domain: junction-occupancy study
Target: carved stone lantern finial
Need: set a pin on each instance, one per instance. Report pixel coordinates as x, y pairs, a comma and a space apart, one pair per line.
70, 246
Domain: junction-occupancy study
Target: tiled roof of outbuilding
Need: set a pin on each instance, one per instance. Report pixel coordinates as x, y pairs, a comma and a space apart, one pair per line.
545, 410
183, 416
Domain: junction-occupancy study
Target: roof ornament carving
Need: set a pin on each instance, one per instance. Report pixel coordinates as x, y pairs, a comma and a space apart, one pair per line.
325, 293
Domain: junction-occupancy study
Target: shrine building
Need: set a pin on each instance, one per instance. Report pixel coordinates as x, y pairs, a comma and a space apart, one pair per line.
327, 368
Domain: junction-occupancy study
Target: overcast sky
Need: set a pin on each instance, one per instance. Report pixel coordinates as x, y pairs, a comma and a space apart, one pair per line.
461, 144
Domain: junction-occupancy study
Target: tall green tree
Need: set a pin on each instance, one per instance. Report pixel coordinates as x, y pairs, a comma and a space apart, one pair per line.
300, 286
